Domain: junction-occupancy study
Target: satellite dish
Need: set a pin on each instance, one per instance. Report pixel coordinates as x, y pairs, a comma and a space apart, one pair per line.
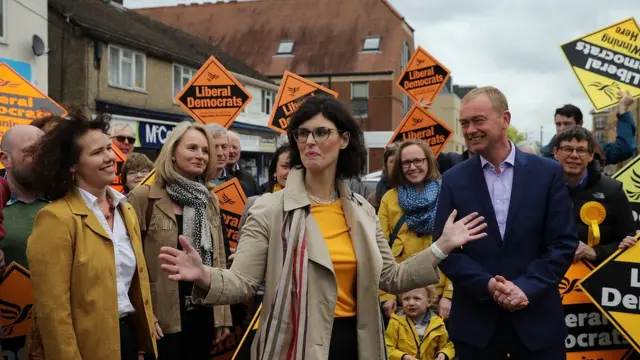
38, 46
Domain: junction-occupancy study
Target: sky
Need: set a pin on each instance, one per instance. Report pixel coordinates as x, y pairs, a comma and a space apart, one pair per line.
513, 45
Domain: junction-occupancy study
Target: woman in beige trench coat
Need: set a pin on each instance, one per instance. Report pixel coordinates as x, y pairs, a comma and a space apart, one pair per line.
320, 250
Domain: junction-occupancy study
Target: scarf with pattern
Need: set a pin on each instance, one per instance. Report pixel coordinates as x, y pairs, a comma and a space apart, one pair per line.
194, 196
290, 303
419, 206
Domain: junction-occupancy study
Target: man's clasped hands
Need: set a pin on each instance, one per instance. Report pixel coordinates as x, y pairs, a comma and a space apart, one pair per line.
507, 294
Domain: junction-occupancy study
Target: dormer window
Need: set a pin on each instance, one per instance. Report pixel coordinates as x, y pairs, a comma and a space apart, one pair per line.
371, 44
285, 47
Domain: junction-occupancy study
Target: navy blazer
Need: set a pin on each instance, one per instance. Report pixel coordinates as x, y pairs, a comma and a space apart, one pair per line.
537, 250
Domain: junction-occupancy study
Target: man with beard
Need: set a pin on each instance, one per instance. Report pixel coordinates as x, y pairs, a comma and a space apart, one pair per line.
19, 216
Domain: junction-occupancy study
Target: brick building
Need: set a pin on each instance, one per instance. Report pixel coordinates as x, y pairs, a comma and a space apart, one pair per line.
356, 48
107, 58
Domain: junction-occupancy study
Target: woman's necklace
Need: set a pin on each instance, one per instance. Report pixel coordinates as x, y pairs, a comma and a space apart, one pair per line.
109, 215
317, 200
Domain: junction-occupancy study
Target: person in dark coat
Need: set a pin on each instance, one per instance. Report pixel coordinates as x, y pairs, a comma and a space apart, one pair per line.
589, 189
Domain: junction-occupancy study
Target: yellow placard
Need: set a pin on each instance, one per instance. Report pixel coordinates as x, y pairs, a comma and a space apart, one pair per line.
607, 61
614, 287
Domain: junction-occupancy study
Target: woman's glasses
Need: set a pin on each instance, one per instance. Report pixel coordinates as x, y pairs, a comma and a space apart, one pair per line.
138, 172
301, 135
417, 162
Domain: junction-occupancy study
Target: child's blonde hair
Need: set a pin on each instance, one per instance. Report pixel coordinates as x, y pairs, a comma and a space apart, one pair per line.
432, 294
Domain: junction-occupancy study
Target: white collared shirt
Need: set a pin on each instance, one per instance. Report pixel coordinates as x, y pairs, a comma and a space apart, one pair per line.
123, 250
500, 186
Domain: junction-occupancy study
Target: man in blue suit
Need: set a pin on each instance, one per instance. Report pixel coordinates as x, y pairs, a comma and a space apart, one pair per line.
506, 297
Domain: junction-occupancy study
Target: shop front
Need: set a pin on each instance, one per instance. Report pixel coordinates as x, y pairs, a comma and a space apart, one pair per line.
258, 145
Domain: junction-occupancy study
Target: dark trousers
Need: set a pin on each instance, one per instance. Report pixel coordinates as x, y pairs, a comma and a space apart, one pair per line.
505, 341
194, 342
344, 339
128, 338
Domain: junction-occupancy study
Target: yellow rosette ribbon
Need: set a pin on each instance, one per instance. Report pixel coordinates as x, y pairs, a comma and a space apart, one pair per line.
593, 214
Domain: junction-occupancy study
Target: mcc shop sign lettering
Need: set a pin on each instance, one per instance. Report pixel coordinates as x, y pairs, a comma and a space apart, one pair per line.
152, 135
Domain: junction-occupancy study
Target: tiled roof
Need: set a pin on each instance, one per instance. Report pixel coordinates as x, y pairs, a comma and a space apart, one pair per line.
329, 34
113, 23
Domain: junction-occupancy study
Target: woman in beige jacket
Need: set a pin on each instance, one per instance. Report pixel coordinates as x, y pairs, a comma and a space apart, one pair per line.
180, 202
320, 250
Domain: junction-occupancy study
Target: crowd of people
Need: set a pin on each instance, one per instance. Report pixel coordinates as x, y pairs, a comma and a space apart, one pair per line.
457, 256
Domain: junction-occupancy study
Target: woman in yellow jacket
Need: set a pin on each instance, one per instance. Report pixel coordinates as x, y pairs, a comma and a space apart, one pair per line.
411, 206
90, 285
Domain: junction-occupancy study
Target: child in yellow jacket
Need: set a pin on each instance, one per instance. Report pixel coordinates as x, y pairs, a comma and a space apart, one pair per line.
417, 333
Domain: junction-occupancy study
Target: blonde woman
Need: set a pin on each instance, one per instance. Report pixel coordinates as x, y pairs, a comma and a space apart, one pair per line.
180, 202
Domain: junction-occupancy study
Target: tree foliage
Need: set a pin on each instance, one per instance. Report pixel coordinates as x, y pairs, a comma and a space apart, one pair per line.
514, 135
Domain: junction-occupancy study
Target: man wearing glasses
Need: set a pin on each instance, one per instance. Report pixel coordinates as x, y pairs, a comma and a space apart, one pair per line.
593, 193
123, 138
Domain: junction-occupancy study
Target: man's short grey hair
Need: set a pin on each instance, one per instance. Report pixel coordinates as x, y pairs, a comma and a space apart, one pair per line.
217, 130
529, 146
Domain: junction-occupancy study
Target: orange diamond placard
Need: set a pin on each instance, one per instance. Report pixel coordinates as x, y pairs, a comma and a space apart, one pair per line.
294, 90
119, 182
421, 124
21, 102
424, 76
582, 318
16, 301
213, 95
232, 200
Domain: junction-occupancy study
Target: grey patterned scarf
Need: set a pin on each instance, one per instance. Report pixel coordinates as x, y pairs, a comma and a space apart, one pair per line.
193, 196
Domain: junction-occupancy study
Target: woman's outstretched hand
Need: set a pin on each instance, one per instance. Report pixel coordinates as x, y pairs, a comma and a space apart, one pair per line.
456, 234
185, 265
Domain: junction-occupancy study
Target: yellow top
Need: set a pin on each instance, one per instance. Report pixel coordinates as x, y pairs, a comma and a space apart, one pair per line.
334, 229
407, 242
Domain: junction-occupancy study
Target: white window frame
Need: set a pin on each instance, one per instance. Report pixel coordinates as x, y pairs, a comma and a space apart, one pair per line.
285, 43
264, 95
119, 84
404, 61
4, 17
374, 38
366, 83
184, 70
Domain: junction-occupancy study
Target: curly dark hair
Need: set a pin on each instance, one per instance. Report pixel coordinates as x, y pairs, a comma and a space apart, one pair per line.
285, 148
57, 151
352, 159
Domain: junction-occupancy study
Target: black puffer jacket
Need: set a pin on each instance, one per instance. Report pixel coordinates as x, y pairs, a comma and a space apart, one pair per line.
618, 222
